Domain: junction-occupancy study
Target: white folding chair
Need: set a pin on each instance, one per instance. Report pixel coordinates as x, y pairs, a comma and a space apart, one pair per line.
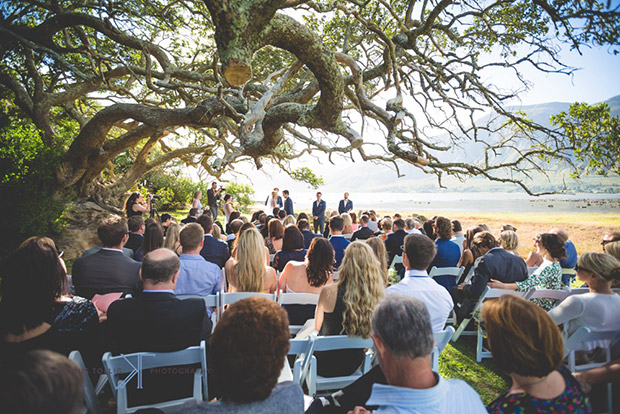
90, 396
331, 343
303, 349
557, 295
398, 259
211, 301
348, 236
232, 297
441, 340
335, 275
456, 272
297, 299
115, 366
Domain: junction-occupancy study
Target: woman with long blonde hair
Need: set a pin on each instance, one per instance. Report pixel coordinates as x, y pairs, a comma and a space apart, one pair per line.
173, 238
346, 308
348, 223
248, 271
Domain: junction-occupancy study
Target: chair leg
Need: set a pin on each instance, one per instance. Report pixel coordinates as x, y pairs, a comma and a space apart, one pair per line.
480, 336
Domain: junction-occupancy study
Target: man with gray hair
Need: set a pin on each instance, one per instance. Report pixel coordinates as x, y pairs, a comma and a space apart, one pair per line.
401, 331
410, 226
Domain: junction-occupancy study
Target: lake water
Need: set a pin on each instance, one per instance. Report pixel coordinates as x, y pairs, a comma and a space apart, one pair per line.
463, 202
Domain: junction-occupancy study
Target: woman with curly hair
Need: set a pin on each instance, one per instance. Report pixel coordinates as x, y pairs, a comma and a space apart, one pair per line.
248, 272
246, 354
547, 276
346, 308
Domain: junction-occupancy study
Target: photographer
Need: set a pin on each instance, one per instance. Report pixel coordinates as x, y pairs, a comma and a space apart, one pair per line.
135, 205
213, 196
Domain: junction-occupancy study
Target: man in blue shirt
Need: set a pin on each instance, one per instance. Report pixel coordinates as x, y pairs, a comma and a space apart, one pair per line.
318, 213
570, 261
339, 243
196, 276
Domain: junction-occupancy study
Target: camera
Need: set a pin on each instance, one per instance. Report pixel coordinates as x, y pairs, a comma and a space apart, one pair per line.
222, 188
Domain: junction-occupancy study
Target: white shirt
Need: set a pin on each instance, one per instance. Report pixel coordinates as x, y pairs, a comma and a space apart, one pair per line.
413, 231
417, 284
449, 396
458, 239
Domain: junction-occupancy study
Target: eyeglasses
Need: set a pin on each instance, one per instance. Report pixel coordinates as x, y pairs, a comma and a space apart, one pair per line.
583, 269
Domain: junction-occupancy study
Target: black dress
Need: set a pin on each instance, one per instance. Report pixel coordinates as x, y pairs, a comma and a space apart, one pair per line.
342, 361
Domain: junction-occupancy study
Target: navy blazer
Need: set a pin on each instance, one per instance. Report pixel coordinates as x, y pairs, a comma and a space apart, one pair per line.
339, 243
345, 207
318, 209
496, 264
104, 272
393, 243
308, 236
362, 233
288, 206
215, 251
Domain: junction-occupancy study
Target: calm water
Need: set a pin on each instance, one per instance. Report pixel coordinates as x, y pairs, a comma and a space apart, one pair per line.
470, 202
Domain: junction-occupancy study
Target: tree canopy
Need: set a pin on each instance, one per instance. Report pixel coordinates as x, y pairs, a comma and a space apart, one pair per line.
218, 82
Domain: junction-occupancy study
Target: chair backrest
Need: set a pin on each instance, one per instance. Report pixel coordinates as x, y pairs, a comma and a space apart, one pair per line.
297, 298
333, 342
447, 271
211, 301
90, 397
303, 348
496, 293
136, 363
348, 236
557, 295
398, 259
232, 297
579, 291
441, 340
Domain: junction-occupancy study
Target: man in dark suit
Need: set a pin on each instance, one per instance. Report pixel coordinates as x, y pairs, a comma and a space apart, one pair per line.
304, 227
493, 263
339, 243
345, 205
213, 197
213, 250
394, 242
288, 204
136, 233
108, 270
191, 217
318, 213
363, 232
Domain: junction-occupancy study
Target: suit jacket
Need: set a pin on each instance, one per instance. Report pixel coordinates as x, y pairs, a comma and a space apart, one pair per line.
134, 242
105, 272
392, 244
340, 244
318, 209
189, 219
344, 207
288, 206
215, 251
308, 236
496, 264
212, 198
156, 322
127, 252
362, 233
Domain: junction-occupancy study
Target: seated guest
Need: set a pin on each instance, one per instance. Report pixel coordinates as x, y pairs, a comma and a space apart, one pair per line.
378, 247
234, 227
527, 346
598, 309
304, 226
547, 276
410, 226
326, 233
197, 276
289, 220
448, 252
245, 363
36, 311
419, 251
153, 239
136, 233
345, 308
610, 238
493, 263
173, 238
458, 236
348, 223
401, 331
192, 216
248, 272
166, 221
363, 232
276, 233
339, 243
429, 229
509, 241
281, 216
394, 242
308, 276
506, 227
385, 226
373, 225
108, 270
41, 382
292, 248
467, 256
233, 216
353, 220
213, 250
568, 262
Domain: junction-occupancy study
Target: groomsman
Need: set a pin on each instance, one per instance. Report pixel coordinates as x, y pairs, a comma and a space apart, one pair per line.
345, 205
288, 204
318, 212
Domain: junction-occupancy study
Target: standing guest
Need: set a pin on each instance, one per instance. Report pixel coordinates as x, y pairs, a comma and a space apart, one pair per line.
509, 241
458, 236
276, 233
418, 253
213, 197
166, 221
108, 270
173, 238
213, 250
228, 208
288, 203
348, 223
372, 222
353, 220
135, 206
609, 238
527, 346
345, 204
136, 233
345, 308
547, 276
153, 239
394, 242
292, 248
378, 247
192, 216
304, 227
363, 232
401, 331
196, 201
196, 275
569, 262
248, 272
245, 362
318, 213
339, 243
429, 229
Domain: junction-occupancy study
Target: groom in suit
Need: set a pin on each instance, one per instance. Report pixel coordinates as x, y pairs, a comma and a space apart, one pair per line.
318, 213
345, 205
288, 204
